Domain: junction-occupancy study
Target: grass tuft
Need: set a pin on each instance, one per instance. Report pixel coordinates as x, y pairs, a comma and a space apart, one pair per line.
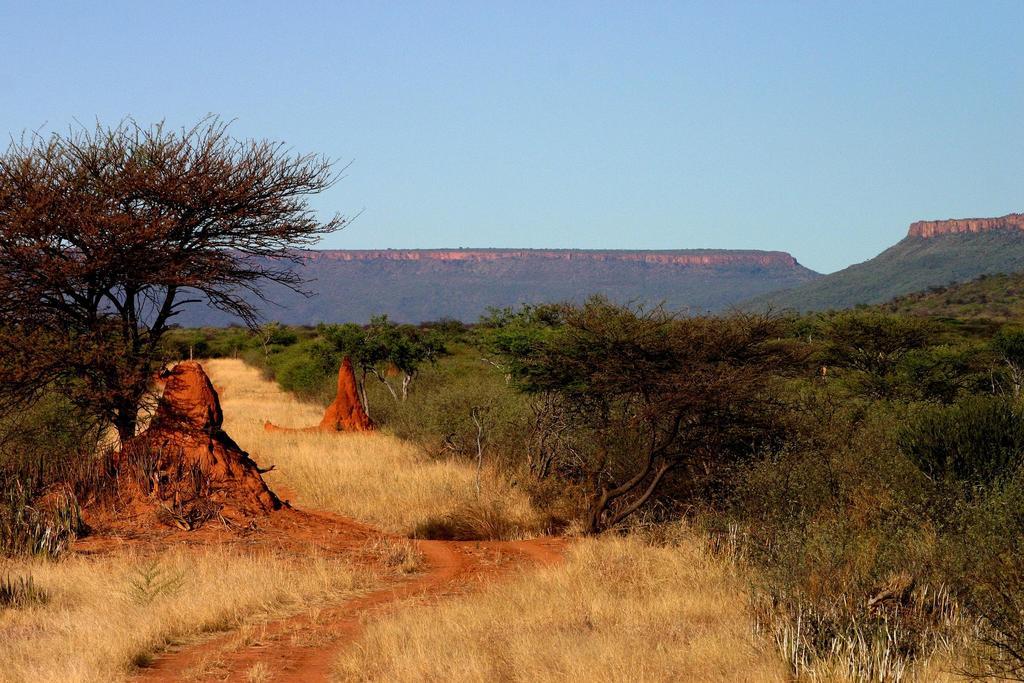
21, 591
471, 521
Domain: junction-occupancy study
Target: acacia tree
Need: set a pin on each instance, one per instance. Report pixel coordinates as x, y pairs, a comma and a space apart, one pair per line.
870, 346
383, 348
1009, 344
105, 234
642, 395
401, 350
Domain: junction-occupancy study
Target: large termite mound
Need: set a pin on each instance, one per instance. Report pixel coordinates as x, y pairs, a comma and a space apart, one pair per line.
345, 414
187, 464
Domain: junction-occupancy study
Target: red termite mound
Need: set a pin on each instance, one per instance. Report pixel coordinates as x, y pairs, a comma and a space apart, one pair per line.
188, 463
345, 414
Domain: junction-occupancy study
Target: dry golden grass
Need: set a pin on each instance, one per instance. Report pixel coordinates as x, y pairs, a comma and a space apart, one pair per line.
618, 609
374, 478
103, 616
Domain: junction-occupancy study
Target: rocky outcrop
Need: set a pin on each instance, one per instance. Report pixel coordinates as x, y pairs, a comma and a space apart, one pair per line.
345, 414
185, 462
954, 226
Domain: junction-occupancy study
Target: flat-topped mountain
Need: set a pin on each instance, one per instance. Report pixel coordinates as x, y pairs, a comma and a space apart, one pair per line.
933, 254
681, 257
414, 285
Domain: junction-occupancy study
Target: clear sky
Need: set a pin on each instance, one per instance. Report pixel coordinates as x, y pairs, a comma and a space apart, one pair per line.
819, 128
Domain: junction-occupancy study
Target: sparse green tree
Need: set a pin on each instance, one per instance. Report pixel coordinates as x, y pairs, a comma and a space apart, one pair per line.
652, 395
1009, 344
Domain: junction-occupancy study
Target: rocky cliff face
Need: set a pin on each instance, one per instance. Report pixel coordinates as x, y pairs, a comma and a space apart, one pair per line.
1013, 221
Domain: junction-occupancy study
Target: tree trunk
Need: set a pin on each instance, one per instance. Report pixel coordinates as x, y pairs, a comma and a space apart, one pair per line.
126, 420
595, 513
361, 386
475, 415
1016, 377
600, 516
391, 389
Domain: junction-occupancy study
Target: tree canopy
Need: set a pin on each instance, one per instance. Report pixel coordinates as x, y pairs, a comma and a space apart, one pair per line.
105, 234
650, 393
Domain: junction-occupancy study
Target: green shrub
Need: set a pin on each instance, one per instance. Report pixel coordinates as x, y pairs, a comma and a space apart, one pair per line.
985, 563
439, 414
971, 443
33, 526
827, 521
307, 369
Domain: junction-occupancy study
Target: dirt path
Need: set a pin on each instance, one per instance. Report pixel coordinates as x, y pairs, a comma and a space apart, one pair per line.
304, 647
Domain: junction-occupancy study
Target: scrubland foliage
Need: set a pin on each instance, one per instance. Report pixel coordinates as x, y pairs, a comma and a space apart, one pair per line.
859, 464
654, 402
863, 468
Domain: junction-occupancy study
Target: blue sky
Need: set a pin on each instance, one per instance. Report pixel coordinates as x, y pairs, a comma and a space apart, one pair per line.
819, 128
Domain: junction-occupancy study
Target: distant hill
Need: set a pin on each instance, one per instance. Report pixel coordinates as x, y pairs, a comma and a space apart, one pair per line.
999, 298
934, 253
416, 285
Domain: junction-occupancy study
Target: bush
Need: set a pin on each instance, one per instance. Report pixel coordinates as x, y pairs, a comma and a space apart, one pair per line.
828, 522
439, 415
307, 368
48, 463
971, 443
985, 562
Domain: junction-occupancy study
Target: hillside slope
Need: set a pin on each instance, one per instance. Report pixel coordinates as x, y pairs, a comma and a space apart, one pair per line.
418, 285
998, 298
934, 253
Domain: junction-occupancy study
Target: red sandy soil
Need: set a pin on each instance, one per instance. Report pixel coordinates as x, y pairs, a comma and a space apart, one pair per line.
304, 647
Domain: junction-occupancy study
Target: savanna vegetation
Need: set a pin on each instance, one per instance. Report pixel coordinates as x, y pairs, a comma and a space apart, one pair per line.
845, 486
997, 298
864, 467
858, 472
